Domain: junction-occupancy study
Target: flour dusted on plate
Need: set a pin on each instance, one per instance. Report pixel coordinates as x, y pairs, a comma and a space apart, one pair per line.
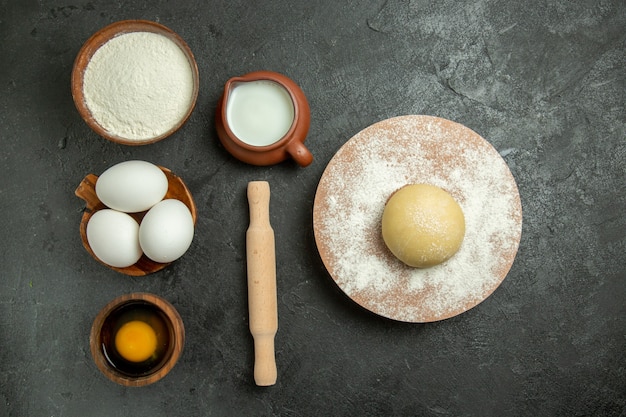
364, 174
138, 85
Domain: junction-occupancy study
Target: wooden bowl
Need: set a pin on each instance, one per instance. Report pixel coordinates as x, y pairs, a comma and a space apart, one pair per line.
144, 266
111, 317
98, 39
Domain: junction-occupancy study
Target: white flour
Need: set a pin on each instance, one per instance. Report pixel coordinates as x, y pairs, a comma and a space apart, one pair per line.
380, 160
138, 85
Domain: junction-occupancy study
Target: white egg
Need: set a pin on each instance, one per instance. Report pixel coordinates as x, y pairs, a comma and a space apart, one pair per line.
132, 186
114, 238
166, 231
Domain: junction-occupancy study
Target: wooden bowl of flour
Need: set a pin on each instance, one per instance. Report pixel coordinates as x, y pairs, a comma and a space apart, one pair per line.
135, 82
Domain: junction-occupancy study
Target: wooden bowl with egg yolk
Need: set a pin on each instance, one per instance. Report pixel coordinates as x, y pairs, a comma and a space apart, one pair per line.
144, 266
104, 328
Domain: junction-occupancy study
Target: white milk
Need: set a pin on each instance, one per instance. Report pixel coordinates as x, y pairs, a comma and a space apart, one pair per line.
259, 112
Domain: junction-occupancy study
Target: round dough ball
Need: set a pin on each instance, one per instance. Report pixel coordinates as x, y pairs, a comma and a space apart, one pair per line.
423, 225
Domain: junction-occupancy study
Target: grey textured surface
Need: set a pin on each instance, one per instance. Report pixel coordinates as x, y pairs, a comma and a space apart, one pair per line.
543, 81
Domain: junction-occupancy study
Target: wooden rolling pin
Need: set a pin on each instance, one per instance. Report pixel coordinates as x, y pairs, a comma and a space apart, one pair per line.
262, 302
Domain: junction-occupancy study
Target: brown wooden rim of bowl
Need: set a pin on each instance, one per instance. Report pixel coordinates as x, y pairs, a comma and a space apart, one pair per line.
100, 38
86, 190
95, 341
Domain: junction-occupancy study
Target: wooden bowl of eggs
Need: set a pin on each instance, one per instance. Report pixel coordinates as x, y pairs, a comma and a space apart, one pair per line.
135, 82
136, 339
138, 217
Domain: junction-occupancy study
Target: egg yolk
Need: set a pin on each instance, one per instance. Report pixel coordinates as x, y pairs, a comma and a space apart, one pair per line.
136, 341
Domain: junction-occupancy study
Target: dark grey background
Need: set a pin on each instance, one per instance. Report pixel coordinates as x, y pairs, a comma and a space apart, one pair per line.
543, 81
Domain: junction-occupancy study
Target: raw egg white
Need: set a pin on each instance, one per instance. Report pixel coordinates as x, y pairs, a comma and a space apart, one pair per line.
114, 238
132, 186
166, 231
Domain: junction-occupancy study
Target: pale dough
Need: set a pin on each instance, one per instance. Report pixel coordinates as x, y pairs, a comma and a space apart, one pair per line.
423, 225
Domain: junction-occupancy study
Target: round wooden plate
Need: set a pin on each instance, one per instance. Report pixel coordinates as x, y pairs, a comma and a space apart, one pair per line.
86, 190
351, 197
